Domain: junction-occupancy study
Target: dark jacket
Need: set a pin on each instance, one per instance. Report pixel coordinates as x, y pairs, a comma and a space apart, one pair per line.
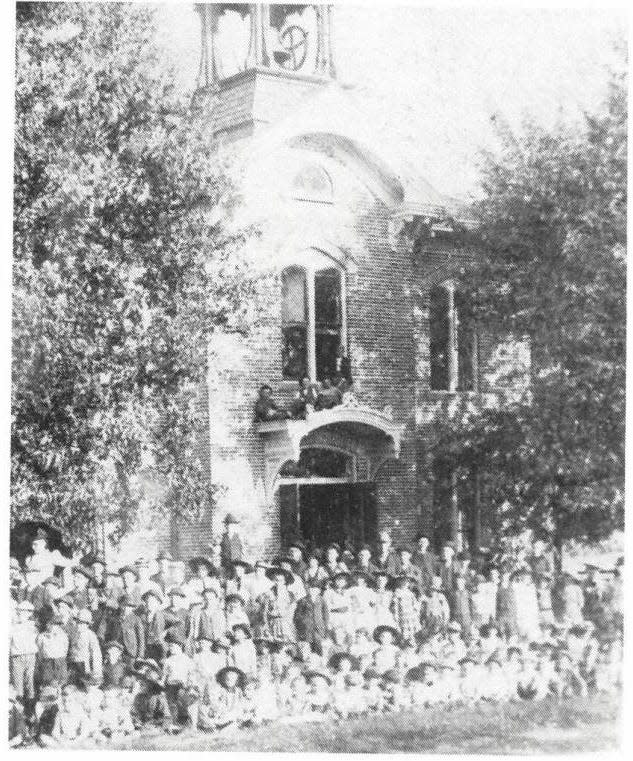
388, 564
133, 636
231, 549
311, 620
426, 562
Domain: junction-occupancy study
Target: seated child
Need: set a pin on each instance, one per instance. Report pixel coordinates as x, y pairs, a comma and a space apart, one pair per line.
178, 677
52, 644
149, 705
115, 720
362, 648
374, 696
494, 684
242, 653
72, 723
207, 662
396, 694
319, 697
387, 653
469, 682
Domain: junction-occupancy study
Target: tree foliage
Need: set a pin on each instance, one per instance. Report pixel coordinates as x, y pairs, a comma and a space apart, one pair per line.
551, 237
121, 268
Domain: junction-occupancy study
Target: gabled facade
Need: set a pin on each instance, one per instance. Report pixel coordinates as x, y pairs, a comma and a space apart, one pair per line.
362, 255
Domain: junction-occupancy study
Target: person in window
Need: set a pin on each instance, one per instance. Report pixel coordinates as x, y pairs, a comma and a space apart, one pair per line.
305, 399
343, 376
266, 408
330, 396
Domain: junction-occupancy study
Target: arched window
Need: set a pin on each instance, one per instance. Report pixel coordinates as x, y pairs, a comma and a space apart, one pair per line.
313, 320
313, 183
453, 339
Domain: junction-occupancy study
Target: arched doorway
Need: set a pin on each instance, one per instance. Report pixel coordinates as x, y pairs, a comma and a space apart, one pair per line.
22, 535
322, 500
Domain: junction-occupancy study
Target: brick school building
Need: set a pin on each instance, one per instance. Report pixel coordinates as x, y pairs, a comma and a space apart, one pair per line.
363, 264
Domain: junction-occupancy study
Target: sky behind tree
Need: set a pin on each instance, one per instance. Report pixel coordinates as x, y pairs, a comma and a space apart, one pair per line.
433, 77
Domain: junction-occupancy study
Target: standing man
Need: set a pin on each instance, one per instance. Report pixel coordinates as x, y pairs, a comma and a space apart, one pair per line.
385, 558
231, 546
425, 560
446, 569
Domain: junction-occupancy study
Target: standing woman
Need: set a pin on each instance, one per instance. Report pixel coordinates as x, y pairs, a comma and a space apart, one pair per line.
384, 599
338, 603
526, 604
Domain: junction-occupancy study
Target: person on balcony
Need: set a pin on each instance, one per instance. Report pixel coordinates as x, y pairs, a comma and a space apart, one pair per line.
330, 396
305, 400
267, 409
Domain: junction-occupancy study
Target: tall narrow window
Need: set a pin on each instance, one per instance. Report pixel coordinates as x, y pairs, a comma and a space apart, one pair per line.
467, 344
439, 329
453, 338
294, 320
328, 321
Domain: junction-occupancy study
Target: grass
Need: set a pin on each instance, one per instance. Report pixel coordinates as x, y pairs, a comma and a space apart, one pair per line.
579, 725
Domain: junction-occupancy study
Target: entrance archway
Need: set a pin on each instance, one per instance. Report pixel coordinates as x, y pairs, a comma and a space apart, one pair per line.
322, 501
22, 534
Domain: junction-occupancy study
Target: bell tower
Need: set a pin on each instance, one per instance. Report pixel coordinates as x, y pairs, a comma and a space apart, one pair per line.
258, 61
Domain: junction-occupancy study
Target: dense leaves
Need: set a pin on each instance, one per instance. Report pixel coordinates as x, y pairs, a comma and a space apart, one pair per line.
552, 237
121, 268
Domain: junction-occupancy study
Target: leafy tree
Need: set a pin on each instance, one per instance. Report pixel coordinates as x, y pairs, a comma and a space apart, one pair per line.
551, 236
121, 270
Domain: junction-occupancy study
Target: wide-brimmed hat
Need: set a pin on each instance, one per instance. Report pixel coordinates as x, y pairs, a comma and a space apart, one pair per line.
128, 569
199, 560
386, 628
279, 571
372, 673
152, 593
243, 563
212, 584
393, 676
335, 660
93, 558
358, 574
114, 643
318, 673
176, 592
244, 627
229, 518
235, 597
83, 571
148, 669
219, 677
53, 580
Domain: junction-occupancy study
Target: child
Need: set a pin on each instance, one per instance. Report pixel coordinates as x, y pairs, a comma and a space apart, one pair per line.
374, 696
406, 612
231, 708
72, 723
52, 644
114, 668
494, 684
383, 600
396, 695
242, 653
235, 612
337, 601
23, 649
115, 721
207, 662
342, 664
311, 620
437, 611
489, 640
84, 654
178, 676
319, 696
149, 704
362, 648
469, 684
363, 602
387, 652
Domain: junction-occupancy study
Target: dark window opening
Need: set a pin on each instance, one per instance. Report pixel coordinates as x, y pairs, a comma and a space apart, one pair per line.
328, 321
294, 359
439, 335
467, 344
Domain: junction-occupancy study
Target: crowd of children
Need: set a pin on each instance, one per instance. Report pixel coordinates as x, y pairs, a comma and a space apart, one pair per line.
100, 653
